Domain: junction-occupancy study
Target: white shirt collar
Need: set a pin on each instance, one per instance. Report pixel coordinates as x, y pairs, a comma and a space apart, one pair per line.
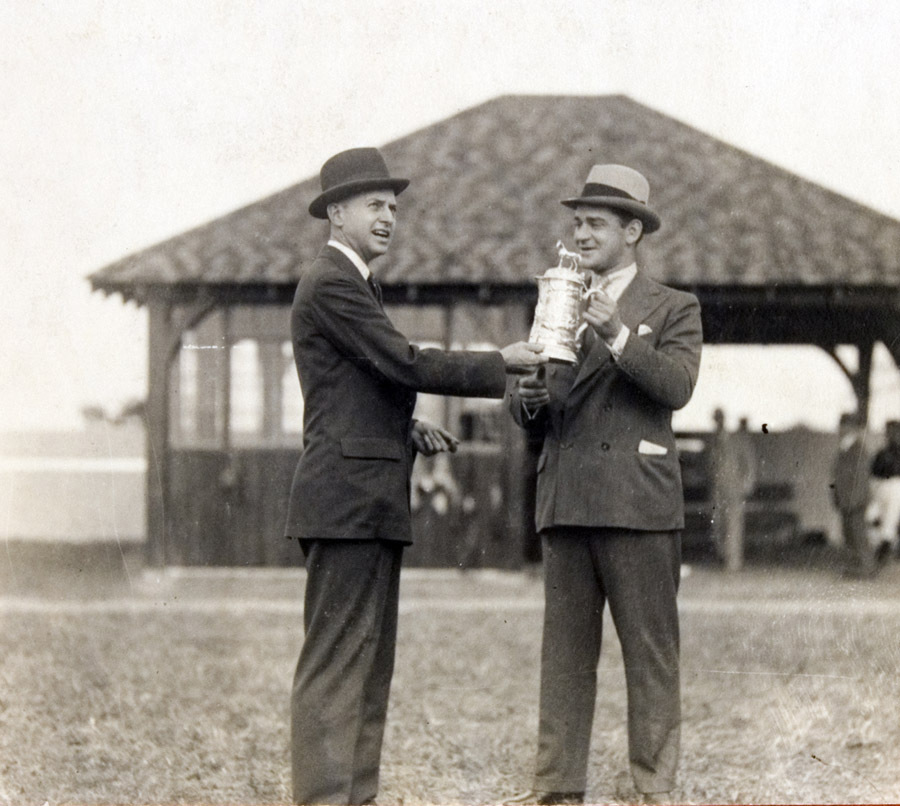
614, 283
354, 258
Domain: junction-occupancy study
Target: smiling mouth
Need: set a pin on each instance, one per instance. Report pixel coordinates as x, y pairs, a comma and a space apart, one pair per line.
381, 233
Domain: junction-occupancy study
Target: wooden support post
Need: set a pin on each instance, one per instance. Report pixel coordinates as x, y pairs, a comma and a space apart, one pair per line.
860, 378
863, 381
224, 380
890, 334
157, 422
166, 329
521, 469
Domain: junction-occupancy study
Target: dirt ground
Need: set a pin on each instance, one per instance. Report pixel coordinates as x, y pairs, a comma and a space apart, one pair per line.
122, 684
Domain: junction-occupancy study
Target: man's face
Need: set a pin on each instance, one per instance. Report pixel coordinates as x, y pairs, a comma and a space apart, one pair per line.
602, 239
366, 222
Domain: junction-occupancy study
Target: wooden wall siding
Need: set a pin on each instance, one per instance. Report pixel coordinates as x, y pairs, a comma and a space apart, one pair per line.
490, 518
474, 531
229, 508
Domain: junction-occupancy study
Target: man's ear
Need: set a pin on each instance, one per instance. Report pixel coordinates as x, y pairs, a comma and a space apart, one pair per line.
335, 212
633, 231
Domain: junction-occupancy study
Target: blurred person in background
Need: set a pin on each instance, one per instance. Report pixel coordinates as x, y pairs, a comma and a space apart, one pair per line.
883, 514
727, 494
850, 492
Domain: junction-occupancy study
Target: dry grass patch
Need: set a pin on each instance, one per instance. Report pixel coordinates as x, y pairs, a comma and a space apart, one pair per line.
790, 705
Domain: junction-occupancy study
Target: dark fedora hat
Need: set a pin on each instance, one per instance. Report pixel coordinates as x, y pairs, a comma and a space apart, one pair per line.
352, 172
620, 188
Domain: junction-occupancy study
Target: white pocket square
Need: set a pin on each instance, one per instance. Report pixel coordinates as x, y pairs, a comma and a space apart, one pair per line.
643, 329
651, 448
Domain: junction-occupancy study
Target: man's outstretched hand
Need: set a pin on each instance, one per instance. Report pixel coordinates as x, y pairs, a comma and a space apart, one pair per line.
522, 357
430, 439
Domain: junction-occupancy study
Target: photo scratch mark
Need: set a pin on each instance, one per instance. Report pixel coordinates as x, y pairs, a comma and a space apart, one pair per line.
842, 767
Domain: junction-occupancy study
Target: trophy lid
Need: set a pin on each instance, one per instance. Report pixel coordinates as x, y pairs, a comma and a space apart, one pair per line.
561, 273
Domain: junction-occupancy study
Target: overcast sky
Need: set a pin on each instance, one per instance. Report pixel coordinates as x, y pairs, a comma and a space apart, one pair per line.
126, 123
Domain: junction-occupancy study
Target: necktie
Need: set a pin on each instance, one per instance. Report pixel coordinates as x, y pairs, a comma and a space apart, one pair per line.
375, 286
589, 335
586, 342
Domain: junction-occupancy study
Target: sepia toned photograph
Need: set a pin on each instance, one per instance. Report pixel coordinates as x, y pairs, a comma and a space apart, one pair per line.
450, 403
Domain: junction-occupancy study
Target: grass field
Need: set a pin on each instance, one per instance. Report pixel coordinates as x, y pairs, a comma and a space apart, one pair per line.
173, 688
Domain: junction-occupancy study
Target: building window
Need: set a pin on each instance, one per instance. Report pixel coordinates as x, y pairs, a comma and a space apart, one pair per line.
291, 397
233, 383
198, 386
246, 403
186, 386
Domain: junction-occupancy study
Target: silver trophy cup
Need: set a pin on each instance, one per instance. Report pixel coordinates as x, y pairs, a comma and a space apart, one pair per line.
560, 307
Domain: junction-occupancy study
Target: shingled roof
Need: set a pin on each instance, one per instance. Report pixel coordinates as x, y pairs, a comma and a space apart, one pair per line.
483, 208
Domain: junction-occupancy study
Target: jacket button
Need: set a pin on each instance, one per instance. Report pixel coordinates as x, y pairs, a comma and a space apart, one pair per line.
565, 445
608, 407
604, 446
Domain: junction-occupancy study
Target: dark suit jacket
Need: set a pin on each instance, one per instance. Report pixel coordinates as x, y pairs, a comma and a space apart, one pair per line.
609, 457
359, 376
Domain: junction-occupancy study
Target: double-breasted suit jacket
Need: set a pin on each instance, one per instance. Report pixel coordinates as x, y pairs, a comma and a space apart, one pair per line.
359, 376
609, 457
609, 508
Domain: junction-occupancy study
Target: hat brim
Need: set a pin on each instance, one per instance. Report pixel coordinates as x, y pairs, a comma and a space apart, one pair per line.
318, 208
648, 218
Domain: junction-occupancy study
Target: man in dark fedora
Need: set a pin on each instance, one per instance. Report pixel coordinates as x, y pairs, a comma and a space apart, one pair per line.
349, 503
609, 497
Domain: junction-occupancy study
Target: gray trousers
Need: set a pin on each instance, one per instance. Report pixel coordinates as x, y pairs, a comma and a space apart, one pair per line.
341, 685
638, 574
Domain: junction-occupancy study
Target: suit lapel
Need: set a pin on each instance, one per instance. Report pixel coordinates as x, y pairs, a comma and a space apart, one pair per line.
344, 263
596, 357
639, 300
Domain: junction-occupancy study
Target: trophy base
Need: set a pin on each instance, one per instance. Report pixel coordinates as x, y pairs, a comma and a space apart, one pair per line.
556, 353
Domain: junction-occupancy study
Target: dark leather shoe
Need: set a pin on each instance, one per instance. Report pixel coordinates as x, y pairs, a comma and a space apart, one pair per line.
540, 798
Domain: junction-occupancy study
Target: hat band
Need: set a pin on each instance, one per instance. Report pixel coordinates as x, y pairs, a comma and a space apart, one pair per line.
596, 189
362, 177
